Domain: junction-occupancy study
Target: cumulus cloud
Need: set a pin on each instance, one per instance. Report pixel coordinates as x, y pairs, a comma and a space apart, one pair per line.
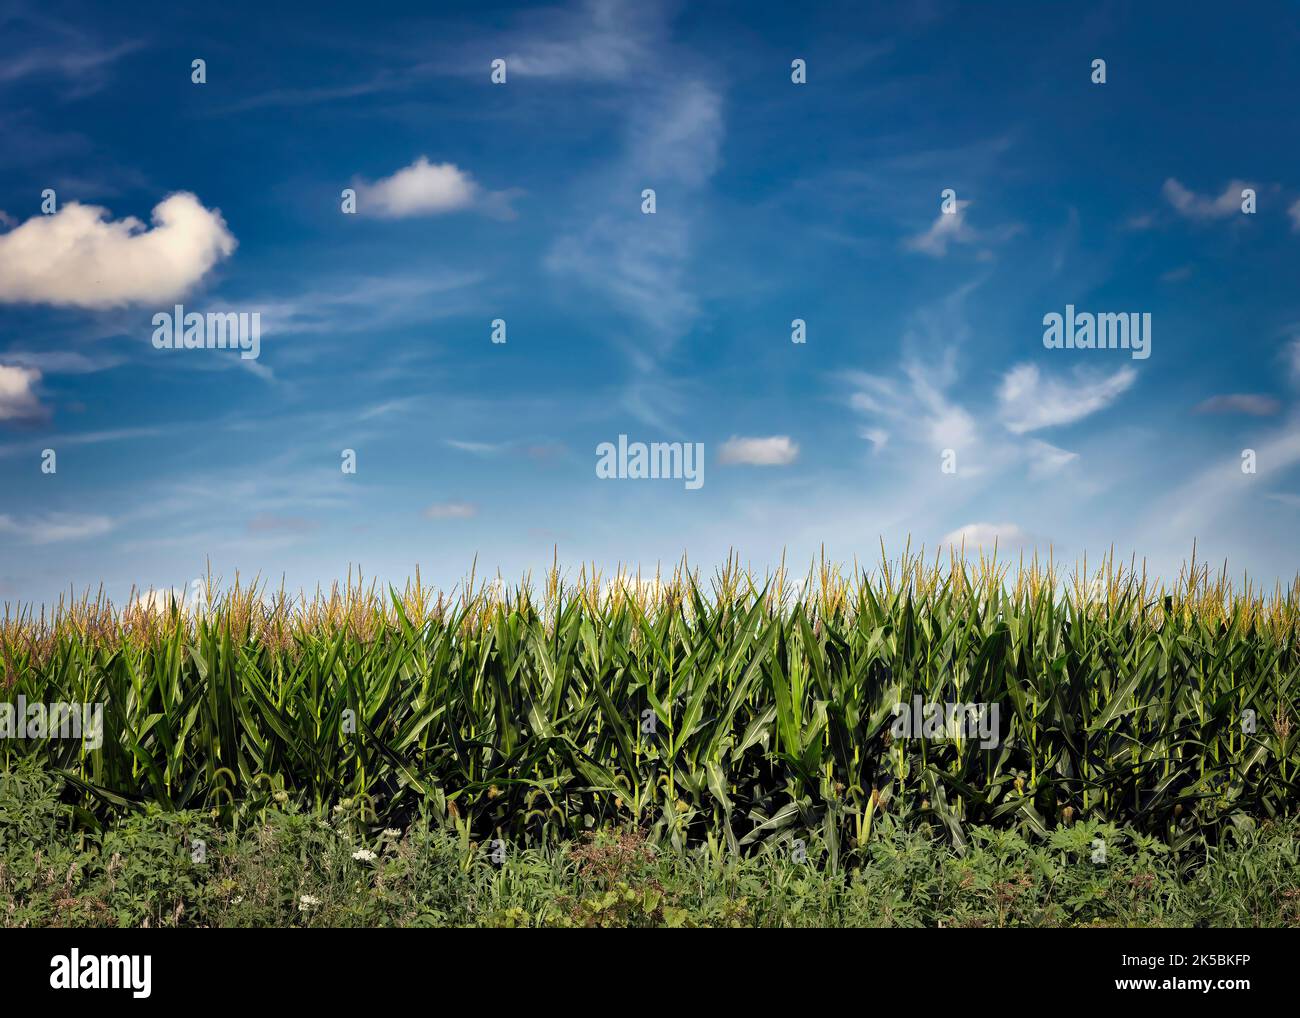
428, 189
1240, 403
1029, 401
55, 527
986, 535
451, 511
78, 257
1195, 206
18, 393
776, 451
1294, 213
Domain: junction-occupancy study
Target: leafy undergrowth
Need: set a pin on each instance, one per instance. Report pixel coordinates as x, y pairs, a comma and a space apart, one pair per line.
287, 868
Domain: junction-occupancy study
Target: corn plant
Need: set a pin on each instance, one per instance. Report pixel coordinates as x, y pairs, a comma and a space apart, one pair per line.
728, 713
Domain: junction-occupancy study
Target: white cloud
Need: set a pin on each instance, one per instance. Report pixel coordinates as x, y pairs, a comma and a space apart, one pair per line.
1240, 403
426, 189
451, 511
641, 265
18, 393
878, 437
63, 362
1030, 401
1194, 206
56, 527
986, 535
365, 303
948, 228
922, 411
1294, 213
78, 257
477, 448
1293, 355
1046, 459
1215, 493
83, 63
776, 451
641, 262
595, 40
678, 138
26, 448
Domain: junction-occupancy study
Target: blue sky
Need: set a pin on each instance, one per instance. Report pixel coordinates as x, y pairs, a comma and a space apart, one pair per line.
522, 201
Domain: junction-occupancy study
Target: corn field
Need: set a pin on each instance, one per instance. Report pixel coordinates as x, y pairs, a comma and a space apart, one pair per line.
728, 712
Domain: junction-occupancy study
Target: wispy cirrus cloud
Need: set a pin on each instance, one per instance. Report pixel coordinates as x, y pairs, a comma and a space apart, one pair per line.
1029, 400
947, 228
1190, 205
917, 407
84, 64
1220, 489
596, 40
370, 301
1046, 459
638, 261
43, 48
538, 450
63, 362
11, 449
672, 108
55, 527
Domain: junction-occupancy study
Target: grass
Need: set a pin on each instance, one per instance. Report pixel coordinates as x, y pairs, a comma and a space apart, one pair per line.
288, 869
733, 715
